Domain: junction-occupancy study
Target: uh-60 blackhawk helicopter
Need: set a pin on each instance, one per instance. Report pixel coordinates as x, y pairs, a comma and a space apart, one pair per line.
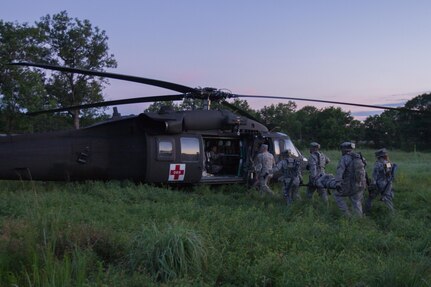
152, 147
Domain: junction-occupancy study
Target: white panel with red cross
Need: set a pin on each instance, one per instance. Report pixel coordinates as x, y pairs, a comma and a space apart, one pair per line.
177, 171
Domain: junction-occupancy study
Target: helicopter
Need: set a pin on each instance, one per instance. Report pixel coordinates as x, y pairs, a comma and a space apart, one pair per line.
167, 146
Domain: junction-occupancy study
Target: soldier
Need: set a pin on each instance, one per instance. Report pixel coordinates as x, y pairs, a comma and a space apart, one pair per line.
264, 163
383, 174
316, 165
290, 168
350, 179
213, 160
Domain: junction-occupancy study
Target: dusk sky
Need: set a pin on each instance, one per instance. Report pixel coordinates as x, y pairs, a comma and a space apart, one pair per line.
373, 52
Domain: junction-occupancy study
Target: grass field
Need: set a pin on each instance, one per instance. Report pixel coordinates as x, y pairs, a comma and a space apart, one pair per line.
122, 234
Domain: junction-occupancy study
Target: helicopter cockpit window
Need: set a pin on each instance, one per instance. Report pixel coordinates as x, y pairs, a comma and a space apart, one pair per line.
165, 149
189, 149
288, 145
276, 147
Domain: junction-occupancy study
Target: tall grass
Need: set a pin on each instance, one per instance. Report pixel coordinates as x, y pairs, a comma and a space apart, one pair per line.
122, 234
169, 253
49, 270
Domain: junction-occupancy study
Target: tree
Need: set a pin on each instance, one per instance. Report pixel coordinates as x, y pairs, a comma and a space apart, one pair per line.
75, 43
383, 130
415, 127
302, 125
356, 132
279, 117
332, 127
21, 90
158, 106
243, 105
329, 126
400, 129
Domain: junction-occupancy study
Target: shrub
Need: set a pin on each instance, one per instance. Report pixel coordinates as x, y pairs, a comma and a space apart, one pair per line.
169, 253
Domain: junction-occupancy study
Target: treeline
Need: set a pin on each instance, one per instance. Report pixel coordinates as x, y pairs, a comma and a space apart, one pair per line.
65, 41
330, 126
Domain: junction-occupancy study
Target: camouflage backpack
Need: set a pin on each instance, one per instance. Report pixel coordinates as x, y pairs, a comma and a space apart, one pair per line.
357, 171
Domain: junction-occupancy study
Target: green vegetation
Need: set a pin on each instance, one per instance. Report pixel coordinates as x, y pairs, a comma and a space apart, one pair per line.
122, 234
58, 40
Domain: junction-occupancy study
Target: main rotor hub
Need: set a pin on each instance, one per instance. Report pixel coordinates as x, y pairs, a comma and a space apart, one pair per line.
211, 94
208, 95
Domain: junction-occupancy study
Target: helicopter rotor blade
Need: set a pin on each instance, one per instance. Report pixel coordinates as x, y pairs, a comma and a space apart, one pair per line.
141, 80
330, 102
112, 103
191, 92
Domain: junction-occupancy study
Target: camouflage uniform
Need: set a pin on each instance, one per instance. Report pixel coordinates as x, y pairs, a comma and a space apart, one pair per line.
381, 183
327, 181
350, 182
213, 158
316, 165
291, 176
264, 164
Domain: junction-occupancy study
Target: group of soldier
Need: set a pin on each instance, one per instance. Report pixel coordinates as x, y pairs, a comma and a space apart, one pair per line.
349, 182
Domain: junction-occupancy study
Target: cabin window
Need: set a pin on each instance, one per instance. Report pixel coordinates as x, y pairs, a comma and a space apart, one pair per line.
189, 149
165, 149
288, 145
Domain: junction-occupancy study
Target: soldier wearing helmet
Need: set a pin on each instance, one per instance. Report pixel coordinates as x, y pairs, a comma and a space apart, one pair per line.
264, 164
350, 179
383, 172
316, 165
290, 167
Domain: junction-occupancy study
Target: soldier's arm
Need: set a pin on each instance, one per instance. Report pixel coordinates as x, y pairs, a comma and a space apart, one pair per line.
272, 164
257, 162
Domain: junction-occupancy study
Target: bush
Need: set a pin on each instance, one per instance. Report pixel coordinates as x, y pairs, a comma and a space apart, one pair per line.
169, 253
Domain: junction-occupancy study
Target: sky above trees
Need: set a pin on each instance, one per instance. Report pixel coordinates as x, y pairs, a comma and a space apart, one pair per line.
374, 52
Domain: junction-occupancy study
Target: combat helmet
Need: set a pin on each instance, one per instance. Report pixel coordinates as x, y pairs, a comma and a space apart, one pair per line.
381, 152
347, 146
314, 145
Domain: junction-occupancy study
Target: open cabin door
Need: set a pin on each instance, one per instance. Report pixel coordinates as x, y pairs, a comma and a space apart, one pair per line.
224, 160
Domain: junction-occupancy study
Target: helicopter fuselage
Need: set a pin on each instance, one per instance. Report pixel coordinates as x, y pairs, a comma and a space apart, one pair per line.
169, 147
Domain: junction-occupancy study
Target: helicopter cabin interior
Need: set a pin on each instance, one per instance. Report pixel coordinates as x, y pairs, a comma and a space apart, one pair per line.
222, 157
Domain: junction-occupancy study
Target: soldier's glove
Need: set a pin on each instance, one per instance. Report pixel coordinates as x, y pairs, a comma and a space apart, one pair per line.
338, 187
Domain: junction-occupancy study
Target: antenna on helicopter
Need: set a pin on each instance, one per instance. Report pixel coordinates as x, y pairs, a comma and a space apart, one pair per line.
116, 114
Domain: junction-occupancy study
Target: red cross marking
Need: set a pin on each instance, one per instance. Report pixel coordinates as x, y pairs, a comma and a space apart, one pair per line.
177, 172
